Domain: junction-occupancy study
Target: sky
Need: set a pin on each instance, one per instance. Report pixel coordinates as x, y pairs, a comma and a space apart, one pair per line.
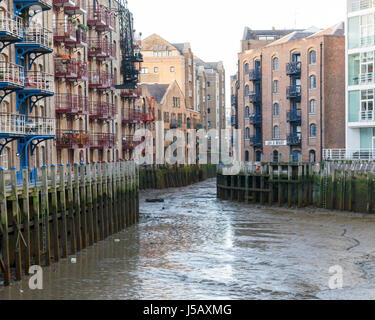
215, 28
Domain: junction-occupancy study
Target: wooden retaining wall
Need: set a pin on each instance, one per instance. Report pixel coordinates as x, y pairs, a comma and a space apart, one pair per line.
163, 177
335, 186
66, 210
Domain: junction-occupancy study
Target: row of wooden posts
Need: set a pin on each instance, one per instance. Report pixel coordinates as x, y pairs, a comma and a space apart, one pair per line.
336, 186
66, 210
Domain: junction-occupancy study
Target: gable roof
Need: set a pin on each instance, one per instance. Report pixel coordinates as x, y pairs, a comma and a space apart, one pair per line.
254, 34
157, 90
153, 41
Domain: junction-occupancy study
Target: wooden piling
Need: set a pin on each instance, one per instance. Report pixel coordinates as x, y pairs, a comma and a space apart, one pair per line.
55, 219
62, 207
5, 254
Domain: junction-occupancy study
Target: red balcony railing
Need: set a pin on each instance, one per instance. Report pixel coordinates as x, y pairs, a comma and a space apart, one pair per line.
128, 143
102, 140
131, 116
131, 93
72, 139
101, 18
100, 80
148, 117
71, 104
102, 110
81, 39
63, 3
101, 49
64, 31
70, 69
76, 7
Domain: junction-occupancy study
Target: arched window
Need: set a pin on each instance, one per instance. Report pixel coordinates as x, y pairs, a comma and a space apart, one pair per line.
247, 156
275, 64
312, 57
276, 132
247, 112
296, 156
313, 82
276, 110
312, 156
275, 86
275, 157
247, 90
5, 156
247, 133
247, 68
313, 130
312, 106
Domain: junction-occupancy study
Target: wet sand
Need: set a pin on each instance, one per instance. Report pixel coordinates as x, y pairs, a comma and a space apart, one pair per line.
194, 246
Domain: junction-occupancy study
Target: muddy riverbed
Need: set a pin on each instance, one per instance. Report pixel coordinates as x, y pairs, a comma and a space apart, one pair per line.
194, 246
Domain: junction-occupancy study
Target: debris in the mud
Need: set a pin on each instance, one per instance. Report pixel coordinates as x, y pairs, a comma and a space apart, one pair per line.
155, 200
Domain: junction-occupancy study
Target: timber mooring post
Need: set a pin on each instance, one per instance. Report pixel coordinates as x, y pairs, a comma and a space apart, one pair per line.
71, 212
82, 172
246, 183
280, 193
290, 187
95, 201
270, 184
55, 219
90, 211
45, 217
77, 208
300, 185
62, 202
4, 244
262, 195
26, 218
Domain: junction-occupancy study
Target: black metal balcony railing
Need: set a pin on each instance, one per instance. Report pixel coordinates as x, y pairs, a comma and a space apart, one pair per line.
234, 101
256, 141
294, 115
293, 92
255, 75
256, 119
293, 68
294, 140
255, 97
234, 121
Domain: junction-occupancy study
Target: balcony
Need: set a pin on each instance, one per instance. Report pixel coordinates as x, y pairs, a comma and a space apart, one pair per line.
75, 7
131, 93
102, 110
39, 81
102, 141
65, 31
256, 119
70, 69
131, 116
256, 141
10, 28
234, 101
101, 49
100, 80
149, 117
36, 40
63, 3
101, 19
294, 139
255, 97
294, 69
72, 139
294, 92
11, 76
234, 121
14, 125
255, 75
21, 5
66, 103
294, 116
128, 143
80, 41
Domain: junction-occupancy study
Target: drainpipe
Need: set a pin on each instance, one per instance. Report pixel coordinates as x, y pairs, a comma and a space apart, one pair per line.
321, 102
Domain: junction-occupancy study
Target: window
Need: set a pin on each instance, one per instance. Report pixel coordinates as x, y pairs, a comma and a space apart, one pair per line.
209, 124
144, 70
275, 86
208, 97
276, 132
312, 156
313, 82
275, 156
247, 68
172, 69
156, 70
276, 110
312, 106
247, 90
247, 156
247, 133
367, 105
312, 57
275, 64
208, 84
313, 130
247, 112
208, 110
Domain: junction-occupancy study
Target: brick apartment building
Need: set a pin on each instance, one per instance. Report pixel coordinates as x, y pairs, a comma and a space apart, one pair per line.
289, 93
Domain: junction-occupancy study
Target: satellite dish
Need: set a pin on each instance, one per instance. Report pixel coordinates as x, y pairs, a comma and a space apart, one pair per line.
34, 10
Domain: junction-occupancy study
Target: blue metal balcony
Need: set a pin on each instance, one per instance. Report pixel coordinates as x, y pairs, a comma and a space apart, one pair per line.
10, 29
256, 141
256, 119
255, 97
294, 116
39, 5
294, 92
255, 75
294, 140
11, 79
294, 69
234, 101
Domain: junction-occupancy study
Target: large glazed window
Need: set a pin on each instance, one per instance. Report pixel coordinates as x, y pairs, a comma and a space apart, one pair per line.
353, 32
367, 30
353, 72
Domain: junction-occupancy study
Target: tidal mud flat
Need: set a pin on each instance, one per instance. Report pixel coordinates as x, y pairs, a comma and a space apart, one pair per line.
195, 246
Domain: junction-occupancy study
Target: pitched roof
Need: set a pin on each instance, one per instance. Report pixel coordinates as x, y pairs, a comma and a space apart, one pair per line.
157, 90
254, 34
